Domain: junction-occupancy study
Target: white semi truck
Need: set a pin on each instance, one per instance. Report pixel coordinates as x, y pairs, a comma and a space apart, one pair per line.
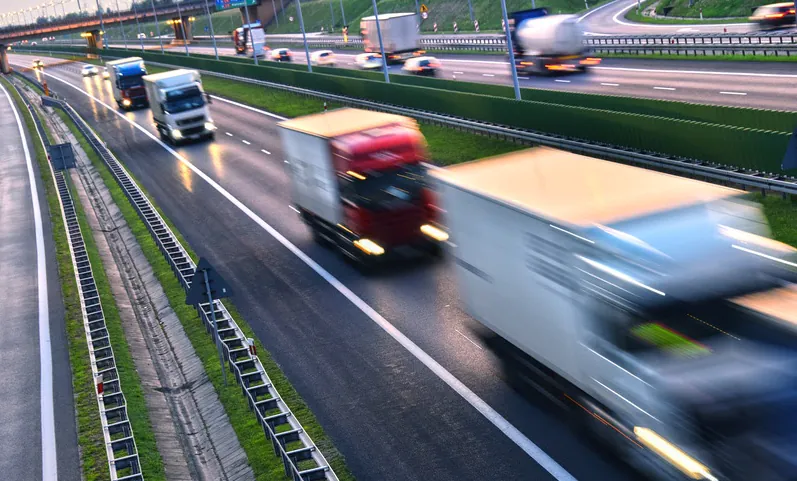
179, 106
126, 77
655, 307
400, 36
546, 44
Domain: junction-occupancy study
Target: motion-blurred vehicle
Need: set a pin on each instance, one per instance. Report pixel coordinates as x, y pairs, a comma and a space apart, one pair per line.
38, 64
400, 36
179, 106
141, 35
105, 73
359, 182
249, 39
368, 61
282, 55
422, 66
127, 82
545, 44
776, 15
33, 44
323, 57
89, 71
44, 39
624, 295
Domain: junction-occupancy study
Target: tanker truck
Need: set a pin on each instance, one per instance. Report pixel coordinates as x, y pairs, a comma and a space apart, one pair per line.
654, 308
545, 44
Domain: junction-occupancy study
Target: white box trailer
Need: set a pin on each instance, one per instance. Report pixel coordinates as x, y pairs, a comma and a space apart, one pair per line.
583, 265
400, 36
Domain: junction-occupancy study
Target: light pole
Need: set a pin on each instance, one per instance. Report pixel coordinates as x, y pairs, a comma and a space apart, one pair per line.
121, 23
511, 51
274, 6
138, 26
470, 8
304, 35
343, 13
212, 33
157, 25
381, 47
249, 33
102, 25
332, 15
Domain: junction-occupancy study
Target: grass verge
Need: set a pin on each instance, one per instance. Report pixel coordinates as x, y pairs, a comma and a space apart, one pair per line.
93, 460
259, 451
151, 463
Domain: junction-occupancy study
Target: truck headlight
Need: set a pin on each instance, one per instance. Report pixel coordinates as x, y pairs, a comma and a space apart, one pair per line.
176, 134
106, 75
210, 126
126, 102
437, 234
687, 464
369, 247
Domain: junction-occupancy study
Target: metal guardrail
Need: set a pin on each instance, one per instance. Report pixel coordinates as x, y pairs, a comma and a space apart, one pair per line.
302, 460
120, 444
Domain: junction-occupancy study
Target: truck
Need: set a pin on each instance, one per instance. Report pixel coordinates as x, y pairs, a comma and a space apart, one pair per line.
545, 44
249, 39
127, 82
649, 306
400, 36
358, 180
179, 106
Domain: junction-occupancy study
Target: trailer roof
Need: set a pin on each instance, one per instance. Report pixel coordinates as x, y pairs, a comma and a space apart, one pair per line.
577, 189
342, 121
125, 60
170, 74
388, 16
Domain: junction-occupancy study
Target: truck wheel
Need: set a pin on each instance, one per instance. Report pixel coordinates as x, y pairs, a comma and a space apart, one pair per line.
318, 236
164, 137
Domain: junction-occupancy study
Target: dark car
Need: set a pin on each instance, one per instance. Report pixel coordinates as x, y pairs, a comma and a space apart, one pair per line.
774, 16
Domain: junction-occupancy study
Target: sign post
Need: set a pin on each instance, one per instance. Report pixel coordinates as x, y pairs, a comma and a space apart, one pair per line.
207, 285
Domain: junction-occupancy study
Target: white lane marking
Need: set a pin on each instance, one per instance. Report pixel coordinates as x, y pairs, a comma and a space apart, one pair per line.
616, 19
469, 339
664, 88
509, 430
487, 75
698, 72
610, 84
563, 81
734, 93
595, 10
459, 73
49, 458
229, 134
246, 142
294, 209
265, 151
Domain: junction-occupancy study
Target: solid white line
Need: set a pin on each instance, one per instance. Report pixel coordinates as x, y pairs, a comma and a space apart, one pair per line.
520, 439
246, 142
664, 88
610, 84
698, 72
469, 339
562, 81
595, 10
459, 73
49, 458
734, 93
265, 151
229, 134
487, 75
294, 209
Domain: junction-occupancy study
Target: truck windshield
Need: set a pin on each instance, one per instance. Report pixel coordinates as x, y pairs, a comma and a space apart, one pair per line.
182, 100
131, 81
383, 189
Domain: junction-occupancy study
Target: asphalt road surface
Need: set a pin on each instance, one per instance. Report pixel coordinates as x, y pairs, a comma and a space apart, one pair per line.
38, 440
390, 365
744, 84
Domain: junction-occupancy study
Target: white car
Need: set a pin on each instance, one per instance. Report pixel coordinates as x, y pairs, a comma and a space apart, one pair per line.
89, 70
105, 73
422, 66
323, 57
141, 35
281, 55
369, 60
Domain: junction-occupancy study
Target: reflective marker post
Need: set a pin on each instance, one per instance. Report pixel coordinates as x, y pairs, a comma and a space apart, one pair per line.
304, 34
511, 49
381, 47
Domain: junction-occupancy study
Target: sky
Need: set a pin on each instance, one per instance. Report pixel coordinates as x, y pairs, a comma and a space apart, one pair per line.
7, 6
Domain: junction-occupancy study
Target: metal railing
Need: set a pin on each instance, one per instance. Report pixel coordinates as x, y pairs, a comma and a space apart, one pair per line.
302, 460
120, 444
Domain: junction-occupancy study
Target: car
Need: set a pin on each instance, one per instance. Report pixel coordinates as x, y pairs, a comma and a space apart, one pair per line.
89, 70
105, 73
44, 39
33, 44
422, 66
369, 60
323, 57
774, 16
281, 55
38, 64
141, 35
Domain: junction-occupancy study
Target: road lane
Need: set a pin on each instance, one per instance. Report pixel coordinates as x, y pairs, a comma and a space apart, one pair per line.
368, 392
37, 425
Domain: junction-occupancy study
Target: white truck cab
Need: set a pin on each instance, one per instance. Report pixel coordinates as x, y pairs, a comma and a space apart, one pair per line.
179, 106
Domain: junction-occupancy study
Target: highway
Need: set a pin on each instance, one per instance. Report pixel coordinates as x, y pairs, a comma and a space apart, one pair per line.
390, 365
743, 84
38, 438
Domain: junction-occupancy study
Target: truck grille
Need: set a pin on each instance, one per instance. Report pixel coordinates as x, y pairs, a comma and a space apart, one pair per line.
399, 226
190, 120
193, 130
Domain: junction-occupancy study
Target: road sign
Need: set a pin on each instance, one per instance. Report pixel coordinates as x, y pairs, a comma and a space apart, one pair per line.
424, 8
62, 156
206, 29
424, 15
228, 4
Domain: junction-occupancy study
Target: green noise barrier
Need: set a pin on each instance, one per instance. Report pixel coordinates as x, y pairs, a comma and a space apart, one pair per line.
752, 139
